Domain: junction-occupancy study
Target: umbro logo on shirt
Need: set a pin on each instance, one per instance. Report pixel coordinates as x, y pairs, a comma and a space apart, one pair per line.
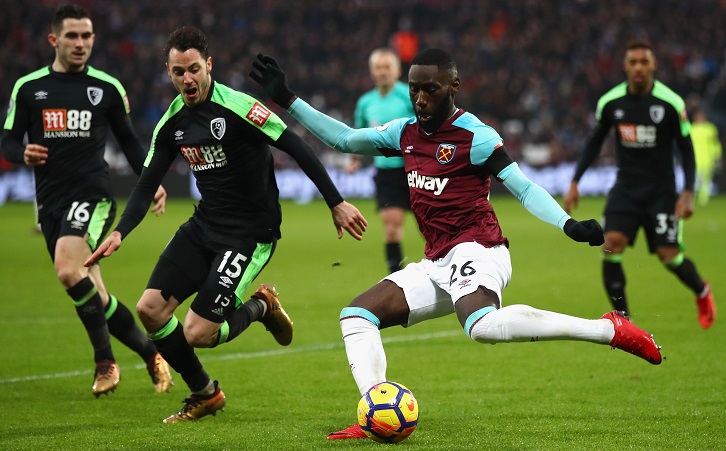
179, 134
41, 95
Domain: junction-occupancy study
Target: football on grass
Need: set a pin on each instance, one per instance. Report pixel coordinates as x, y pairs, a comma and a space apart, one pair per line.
388, 412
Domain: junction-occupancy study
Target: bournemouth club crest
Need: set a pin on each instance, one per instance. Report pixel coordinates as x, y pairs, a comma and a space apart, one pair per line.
445, 153
218, 126
657, 113
94, 95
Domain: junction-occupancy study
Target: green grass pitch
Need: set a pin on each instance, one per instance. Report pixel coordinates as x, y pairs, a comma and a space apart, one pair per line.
529, 396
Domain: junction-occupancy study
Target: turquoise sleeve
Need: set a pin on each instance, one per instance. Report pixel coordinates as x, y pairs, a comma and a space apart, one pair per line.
534, 198
364, 141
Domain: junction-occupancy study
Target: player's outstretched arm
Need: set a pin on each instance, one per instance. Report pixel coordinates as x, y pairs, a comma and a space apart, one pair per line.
542, 205
346, 216
108, 247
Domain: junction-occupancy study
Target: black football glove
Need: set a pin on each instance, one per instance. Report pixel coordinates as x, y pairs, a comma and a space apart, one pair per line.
588, 231
268, 74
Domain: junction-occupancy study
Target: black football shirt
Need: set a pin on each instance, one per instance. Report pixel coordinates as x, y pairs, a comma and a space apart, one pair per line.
646, 127
71, 114
226, 141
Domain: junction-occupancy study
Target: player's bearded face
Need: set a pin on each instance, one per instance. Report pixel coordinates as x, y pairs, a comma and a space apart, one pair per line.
190, 74
441, 112
432, 96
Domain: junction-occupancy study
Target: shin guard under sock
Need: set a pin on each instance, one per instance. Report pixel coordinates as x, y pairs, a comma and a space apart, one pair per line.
520, 323
686, 271
121, 324
394, 256
179, 354
89, 308
240, 320
364, 347
613, 278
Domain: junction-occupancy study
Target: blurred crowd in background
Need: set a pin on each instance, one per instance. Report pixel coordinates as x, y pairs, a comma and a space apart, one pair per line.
531, 69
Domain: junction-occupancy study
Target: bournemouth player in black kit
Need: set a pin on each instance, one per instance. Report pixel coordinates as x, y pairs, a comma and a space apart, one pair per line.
450, 160
66, 109
648, 118
225, 136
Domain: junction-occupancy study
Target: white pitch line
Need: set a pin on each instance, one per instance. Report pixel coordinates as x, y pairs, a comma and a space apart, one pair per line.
245, 355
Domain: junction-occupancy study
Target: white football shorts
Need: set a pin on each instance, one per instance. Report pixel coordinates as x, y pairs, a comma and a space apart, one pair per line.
432, 287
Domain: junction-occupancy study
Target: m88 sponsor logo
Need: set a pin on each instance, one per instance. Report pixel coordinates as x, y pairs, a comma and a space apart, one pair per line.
637, 136
62, 123
204, 157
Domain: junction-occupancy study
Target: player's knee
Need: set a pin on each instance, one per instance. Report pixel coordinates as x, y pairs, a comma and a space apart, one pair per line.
199, 336
492, 326
145, 313
354, 320
197, 340
615, 243
478, 325
69, 276
670, 258
150, 313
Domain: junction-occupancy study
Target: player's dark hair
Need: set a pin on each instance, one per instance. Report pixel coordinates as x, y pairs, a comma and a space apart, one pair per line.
637, 44
67, 12
185, 38
436, 57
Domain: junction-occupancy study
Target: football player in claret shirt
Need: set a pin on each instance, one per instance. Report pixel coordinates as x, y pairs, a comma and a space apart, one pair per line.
450, 158
66, 109
648, 118
225, 136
